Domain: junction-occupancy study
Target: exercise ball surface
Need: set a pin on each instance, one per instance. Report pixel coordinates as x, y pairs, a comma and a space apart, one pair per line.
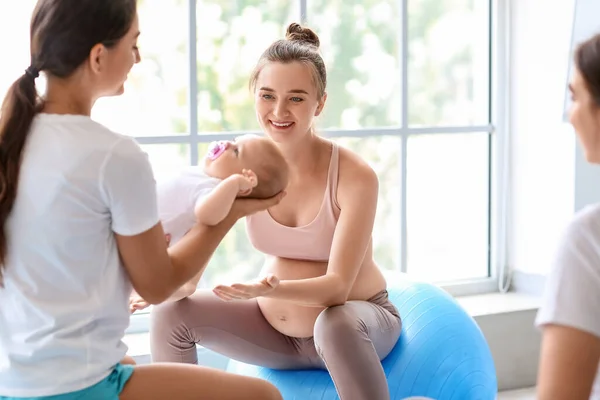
441, 354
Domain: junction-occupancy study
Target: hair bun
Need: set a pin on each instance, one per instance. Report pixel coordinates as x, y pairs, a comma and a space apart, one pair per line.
297, 33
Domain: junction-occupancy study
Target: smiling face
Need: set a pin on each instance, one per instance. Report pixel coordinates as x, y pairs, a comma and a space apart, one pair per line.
584, 115
287, 100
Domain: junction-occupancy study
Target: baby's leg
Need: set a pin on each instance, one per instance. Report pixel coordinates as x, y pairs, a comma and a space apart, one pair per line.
236, 329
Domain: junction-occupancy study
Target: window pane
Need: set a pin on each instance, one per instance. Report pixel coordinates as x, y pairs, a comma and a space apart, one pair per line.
383, 155
448, 206
360, 40
155, 102
448, 63
231, 37
167, 159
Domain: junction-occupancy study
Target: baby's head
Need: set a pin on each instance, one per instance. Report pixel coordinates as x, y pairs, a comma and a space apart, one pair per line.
259, 154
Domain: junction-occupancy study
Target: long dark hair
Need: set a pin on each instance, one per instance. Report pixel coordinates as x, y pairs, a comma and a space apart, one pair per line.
587, 61
63, 32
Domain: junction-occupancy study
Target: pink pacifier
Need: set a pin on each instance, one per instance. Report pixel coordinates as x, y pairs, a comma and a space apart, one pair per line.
216, 149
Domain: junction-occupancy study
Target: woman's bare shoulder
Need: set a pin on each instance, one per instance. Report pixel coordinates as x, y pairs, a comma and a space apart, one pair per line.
355, 174
351, 163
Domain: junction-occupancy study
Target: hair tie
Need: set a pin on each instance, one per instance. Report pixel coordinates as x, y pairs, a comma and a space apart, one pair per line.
32, 72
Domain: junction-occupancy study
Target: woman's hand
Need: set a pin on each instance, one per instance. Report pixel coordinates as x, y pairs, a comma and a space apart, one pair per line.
245, 291
243, 207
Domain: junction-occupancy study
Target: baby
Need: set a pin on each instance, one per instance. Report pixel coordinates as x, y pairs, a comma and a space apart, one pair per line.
250, 166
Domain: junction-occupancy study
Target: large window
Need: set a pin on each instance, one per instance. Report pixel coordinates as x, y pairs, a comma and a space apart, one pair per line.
409, 90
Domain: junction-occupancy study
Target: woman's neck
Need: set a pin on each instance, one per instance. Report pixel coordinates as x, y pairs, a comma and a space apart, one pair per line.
64, 96
303, 156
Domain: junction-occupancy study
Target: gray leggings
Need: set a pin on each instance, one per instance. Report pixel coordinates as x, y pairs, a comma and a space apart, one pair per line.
349, 340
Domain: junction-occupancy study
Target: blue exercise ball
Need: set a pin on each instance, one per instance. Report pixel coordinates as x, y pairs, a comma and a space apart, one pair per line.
441, 354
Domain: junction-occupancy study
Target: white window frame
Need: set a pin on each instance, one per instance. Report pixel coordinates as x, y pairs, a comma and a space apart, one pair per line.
499, 26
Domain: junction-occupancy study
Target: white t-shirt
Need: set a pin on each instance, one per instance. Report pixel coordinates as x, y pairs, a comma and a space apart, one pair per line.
64, 307
177, 199
572, 293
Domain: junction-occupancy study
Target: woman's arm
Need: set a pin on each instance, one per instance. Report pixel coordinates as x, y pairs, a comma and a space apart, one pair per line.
188, 288
569, 316
357, 195
568, 363
156, 275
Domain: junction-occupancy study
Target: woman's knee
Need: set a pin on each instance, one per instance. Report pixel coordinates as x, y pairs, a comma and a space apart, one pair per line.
177, 312
179, 318
170, 321
169, 331
167, 314
335, 322
268, 391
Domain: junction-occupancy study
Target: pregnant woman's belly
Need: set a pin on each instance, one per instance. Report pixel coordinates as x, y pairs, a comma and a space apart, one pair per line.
297, 320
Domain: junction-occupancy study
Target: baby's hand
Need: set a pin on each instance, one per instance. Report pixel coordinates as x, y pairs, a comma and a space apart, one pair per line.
247, 181
136, 302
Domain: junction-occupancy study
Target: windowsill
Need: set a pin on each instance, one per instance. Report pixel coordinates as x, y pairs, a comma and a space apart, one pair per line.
498, 303
476, 305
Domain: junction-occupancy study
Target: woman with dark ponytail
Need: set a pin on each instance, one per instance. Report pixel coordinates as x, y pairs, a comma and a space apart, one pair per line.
79, 224
569, 316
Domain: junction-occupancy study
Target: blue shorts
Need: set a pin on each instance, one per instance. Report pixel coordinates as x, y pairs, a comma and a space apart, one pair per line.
107, 389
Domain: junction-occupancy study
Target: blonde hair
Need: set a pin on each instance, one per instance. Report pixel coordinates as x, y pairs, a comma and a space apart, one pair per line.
300, 45
271, 170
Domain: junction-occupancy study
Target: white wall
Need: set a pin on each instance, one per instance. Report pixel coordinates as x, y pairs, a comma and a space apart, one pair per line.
14, 40
542, 146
